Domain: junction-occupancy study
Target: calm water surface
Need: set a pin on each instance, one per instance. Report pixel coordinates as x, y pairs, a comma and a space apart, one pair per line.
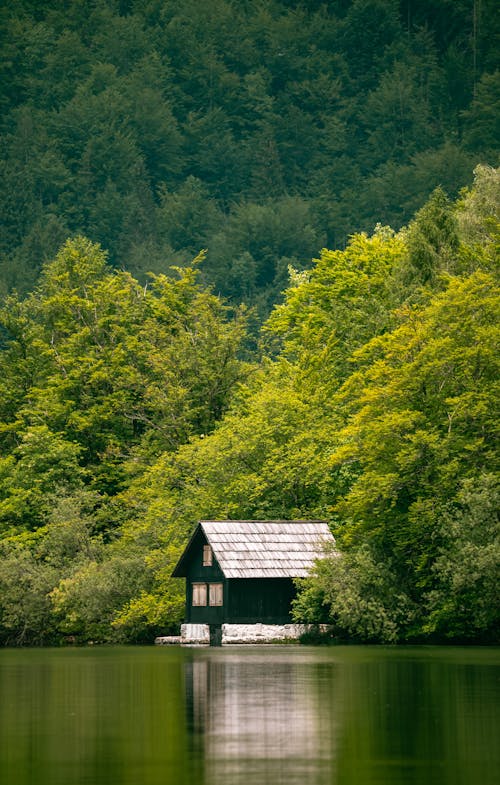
253, 715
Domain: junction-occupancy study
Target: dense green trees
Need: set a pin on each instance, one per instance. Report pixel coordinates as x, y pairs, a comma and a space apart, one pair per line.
378, 412
159, 128
134, 401
422, 420
99, 375
128, 414
418, 517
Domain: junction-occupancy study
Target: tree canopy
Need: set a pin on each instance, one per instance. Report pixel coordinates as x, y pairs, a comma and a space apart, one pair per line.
130, 411
248, 268
260, 132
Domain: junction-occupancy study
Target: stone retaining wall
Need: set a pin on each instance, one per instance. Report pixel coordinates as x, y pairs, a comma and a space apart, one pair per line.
199, 634
261, 633
168, 640
195, 634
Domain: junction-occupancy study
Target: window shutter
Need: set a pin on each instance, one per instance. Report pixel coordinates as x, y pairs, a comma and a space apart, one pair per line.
207, 556
215, 593
199, 594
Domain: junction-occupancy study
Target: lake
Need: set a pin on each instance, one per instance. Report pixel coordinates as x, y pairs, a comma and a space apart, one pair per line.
258, 715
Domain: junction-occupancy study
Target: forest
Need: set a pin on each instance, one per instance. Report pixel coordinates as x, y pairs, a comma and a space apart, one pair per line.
249, 269
260, 130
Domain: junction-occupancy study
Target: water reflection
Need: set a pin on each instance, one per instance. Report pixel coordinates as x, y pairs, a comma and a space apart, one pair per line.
95, 716
256, 718
253, 715
352, 716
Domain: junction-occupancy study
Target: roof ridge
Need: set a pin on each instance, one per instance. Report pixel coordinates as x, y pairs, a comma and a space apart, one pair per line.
263, 520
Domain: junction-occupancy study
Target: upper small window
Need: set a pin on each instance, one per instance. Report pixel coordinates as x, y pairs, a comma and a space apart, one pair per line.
207, 556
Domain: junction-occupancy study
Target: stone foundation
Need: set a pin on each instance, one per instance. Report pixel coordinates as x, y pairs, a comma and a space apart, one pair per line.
261, 633
195, 634
199, 634
168, 640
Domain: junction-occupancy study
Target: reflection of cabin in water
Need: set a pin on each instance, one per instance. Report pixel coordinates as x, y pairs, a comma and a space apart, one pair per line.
261, 716
241, 572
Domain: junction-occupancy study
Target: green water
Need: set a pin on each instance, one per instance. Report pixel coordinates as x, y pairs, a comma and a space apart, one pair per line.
253, 715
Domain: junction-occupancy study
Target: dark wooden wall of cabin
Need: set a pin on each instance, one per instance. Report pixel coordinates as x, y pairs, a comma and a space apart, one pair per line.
246, 600
265, 600
197, 573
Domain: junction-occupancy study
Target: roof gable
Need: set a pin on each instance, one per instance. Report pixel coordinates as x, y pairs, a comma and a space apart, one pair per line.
263, 549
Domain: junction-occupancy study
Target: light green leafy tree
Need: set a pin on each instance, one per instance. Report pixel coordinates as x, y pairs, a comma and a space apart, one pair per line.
422, 417
100, 376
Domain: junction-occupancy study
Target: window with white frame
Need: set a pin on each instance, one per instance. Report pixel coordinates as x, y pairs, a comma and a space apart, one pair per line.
199, 594
215, 594
207, 556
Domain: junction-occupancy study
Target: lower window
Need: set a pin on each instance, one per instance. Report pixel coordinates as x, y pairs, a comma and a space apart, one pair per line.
215, 593
199, 593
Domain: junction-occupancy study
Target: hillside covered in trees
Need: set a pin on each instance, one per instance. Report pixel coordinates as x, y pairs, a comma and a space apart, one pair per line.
131, 410
175, 345
260, 130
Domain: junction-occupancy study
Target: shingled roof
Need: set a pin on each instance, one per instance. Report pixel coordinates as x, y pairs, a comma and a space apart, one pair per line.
266, 549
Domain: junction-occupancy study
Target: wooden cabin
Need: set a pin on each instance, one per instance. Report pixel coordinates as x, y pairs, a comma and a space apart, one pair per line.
241, 572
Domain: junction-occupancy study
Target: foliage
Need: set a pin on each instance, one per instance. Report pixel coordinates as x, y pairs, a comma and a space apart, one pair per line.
359, 595
345, 300
259, 132
100, 376
432, 239
464, 602
130, 411
32, 563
